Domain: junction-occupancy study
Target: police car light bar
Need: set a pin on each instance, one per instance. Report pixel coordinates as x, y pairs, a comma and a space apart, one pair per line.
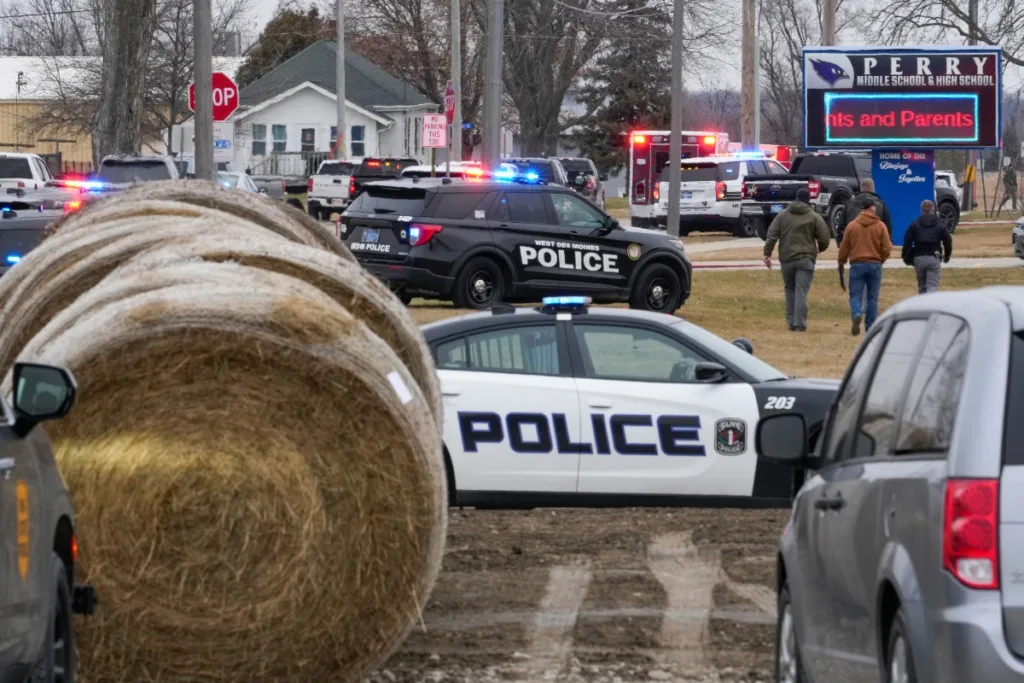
565, 302
13, 258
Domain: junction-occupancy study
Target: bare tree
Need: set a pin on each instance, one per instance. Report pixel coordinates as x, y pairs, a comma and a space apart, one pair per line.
51, 27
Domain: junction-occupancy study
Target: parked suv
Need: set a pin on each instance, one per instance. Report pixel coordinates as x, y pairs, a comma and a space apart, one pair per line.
541, 170
904, 555
709, 193
480, 242
120, 171
585, 178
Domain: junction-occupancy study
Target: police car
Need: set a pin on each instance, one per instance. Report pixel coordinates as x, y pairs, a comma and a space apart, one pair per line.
478, 243
569, 405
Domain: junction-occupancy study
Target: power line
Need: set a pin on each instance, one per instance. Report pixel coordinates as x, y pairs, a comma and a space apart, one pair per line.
36, 15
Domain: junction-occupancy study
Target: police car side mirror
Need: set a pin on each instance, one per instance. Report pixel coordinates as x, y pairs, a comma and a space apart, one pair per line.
710, 373
782, 439
41, 392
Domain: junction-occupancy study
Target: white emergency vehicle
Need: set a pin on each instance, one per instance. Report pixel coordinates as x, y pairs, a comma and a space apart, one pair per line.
571, 405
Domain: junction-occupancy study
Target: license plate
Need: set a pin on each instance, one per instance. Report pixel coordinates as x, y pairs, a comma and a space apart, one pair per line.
685, 195
370, 235
776, 208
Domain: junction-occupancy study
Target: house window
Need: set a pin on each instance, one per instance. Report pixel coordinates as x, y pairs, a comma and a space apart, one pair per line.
280, 138
358, 141
308, 139
259, 139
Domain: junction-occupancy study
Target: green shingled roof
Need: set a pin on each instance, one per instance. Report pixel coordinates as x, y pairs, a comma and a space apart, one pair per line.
366, 84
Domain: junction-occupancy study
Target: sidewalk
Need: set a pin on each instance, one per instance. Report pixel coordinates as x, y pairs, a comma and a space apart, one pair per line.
1006, 262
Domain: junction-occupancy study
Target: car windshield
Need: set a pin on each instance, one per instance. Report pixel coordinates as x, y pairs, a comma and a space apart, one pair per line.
15, 168
757, 369
133, 171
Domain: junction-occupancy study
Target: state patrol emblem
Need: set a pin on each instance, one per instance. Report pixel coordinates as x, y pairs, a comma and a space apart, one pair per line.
730, 436
633, 251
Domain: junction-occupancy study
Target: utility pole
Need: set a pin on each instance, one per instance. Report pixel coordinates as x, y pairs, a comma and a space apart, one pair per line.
492, 100
456, 143
340, 144
747, 83
675, 153
757, 87
972, 156
202, 16
828, 23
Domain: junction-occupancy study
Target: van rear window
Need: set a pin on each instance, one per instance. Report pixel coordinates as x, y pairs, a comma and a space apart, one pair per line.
404, 201
692, 173
1013, 438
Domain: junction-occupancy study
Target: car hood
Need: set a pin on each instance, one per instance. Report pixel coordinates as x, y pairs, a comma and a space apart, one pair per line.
820, 383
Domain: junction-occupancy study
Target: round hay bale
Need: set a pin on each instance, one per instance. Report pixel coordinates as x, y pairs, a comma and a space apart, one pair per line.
259, 487
52, 277
356, 290
270, 214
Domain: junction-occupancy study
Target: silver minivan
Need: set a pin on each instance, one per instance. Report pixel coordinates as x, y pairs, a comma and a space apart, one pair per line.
903, 559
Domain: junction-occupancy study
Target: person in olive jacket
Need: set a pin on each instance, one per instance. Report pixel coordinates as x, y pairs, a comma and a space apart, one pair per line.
926, 246
801, 234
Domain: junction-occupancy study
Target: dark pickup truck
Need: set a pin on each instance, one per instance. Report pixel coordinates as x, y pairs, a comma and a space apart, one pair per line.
831, 179
373, 169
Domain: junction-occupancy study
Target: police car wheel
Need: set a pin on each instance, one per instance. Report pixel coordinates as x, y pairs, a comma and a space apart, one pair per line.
747, 227
657, 289
480, 285
56, 662
837, 219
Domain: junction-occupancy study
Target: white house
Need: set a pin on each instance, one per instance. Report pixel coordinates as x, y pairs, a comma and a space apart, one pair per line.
286, 121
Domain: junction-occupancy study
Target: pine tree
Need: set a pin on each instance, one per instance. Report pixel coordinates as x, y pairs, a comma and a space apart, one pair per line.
628, 87
290, 32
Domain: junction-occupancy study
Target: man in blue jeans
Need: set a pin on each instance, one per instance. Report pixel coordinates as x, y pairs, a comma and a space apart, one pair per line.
866, 245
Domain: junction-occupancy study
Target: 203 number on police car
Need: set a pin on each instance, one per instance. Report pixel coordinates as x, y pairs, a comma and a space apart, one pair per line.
780, 403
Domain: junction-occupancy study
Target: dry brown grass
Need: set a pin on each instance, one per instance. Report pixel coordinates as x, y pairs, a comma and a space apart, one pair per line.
751, 304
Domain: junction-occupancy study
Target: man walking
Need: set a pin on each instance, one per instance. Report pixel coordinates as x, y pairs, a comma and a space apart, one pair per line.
926, 245
866, 245
802, 234
858, 202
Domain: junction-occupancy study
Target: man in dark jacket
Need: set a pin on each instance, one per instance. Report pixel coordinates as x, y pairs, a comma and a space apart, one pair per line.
802, 234
858, 202
926, 243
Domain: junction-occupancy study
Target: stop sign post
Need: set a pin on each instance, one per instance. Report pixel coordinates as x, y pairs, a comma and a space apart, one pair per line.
225, 96
449, 113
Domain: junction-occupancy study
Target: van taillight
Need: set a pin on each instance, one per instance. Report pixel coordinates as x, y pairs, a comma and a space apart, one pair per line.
656, 193
970, 528
720, 190
814, 187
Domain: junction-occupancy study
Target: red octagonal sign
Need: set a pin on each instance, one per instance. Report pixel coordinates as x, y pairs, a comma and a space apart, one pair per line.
225, 96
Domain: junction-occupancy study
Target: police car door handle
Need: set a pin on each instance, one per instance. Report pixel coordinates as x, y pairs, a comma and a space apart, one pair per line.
450, 391
600, 403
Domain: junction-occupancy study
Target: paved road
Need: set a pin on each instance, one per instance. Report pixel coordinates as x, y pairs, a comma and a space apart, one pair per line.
830, 264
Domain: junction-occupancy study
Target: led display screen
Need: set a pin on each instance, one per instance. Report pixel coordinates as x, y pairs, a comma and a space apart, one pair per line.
902, 98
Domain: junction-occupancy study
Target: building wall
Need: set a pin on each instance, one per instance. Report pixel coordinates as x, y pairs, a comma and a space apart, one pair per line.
13, 129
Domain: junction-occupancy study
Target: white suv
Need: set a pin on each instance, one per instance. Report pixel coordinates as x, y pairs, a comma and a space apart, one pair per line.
709, 194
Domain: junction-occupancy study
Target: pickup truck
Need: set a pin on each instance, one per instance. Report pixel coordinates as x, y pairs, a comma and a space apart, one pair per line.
38, 548
23, 171
327, 191
831, 179
372, 169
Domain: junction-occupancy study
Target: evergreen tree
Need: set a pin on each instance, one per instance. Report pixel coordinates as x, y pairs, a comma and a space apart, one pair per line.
290, 32
628, 88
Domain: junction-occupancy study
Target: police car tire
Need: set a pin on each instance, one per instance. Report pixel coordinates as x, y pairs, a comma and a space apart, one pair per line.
638, 297
59, 612
461, 296
837, 218
747, 227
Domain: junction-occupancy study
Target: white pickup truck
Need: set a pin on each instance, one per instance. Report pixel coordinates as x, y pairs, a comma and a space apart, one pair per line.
327, 191
19, 171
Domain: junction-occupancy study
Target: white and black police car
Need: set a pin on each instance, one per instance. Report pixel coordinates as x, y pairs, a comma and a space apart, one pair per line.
512, 239
569, 405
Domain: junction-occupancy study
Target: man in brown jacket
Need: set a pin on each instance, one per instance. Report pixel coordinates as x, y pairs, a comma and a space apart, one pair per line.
866, 245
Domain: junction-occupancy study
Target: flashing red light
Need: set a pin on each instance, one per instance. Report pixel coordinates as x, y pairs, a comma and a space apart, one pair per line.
709, 139
74, 205
970, 532
74, 549
351, 188
656, 193
474, 172
720, 190
421, 233
373, 164
640, 139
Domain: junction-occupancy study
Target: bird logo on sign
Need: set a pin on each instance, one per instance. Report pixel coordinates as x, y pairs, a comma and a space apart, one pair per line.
829, 72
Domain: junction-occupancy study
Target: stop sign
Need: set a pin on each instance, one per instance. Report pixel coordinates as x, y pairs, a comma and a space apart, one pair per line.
225, 96
449, 103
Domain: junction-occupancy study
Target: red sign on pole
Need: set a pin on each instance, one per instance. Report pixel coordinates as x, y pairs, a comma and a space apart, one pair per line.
449, 103
225, 96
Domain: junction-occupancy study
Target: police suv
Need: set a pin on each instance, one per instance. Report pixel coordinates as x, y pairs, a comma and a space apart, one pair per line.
569, 405
479, 243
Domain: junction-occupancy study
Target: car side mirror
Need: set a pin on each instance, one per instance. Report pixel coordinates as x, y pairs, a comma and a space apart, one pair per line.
782, 439
710, 373
41, 392
603, 177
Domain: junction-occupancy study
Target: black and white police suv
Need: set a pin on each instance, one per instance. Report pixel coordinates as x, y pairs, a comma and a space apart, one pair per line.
479, 243
569, 405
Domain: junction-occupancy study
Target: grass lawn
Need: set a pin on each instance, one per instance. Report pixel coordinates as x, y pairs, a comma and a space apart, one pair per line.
982, 241
751, 304
616, 204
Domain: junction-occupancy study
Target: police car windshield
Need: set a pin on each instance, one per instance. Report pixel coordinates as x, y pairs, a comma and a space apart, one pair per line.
405, 201
757, 369
692, 173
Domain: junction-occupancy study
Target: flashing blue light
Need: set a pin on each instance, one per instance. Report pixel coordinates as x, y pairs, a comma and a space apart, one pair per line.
532, 176
13, 258
750, 155
566, 301
831, 98
504, 175
6, 209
